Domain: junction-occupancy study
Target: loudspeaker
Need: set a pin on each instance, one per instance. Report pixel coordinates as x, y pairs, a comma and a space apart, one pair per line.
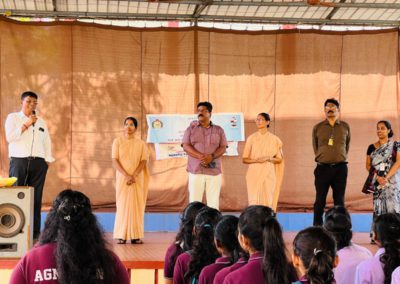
16, 221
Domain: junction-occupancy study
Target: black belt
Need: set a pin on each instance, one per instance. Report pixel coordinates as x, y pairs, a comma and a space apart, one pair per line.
332, 164
30, 158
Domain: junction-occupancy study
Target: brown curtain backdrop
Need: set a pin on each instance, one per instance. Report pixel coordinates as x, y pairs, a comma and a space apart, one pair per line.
89, 78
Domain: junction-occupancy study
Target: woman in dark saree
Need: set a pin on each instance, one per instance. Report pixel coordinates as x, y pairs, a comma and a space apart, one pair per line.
383, 162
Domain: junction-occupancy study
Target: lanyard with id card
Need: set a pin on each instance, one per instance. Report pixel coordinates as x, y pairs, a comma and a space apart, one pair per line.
330, 141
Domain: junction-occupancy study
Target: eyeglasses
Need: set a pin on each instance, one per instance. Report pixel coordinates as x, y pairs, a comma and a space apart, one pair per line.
331, 106
31, 102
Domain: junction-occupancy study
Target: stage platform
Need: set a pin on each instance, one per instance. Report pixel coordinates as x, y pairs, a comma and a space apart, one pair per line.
145, 261
169, 221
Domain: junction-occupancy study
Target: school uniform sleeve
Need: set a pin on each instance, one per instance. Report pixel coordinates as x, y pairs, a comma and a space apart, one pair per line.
18, 275
168, 268
363, 274
179, 272
228, 279
396, 276
121, 273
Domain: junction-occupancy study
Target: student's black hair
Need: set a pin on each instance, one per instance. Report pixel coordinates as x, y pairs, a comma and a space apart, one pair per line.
388, 126
28, 94
387, 230
208, 105
226, 234
204, 251
338, 222
332, 101
316, 248
134, 120
184, 238
81, 252
258, 224
266, 117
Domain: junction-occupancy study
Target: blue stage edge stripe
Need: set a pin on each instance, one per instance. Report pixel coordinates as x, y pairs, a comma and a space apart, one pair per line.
162, 222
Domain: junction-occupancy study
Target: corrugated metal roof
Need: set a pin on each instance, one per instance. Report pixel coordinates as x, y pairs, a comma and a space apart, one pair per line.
297, 12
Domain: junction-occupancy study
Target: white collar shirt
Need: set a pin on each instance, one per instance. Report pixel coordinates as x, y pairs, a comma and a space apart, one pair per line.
35, 141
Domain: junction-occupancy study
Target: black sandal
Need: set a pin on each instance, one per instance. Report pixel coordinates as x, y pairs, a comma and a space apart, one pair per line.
121, 241
136, 241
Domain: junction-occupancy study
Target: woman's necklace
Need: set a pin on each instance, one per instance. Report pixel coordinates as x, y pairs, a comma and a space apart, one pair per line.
381, 144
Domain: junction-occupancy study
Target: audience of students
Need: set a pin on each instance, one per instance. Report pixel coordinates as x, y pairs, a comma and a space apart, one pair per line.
227, 245
183, 241
189, 264
210, 249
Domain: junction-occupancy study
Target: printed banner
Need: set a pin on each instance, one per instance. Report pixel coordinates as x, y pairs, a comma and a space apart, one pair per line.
175, 150
169, 128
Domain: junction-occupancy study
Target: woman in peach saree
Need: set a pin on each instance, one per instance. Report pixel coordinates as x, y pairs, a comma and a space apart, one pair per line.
263, 153
130, 156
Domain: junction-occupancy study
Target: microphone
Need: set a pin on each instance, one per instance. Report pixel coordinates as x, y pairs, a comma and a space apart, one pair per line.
33, 113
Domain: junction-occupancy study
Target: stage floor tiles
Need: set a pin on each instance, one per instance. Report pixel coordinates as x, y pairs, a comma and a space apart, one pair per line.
146, 261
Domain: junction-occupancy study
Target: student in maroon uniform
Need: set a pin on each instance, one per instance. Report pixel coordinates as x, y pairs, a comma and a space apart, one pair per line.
71, 248
261, 235
183, 241
220, 276
189, 264
226, 241
314, 256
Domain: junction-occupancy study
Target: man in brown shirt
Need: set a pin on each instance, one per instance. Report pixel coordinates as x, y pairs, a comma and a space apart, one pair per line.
331, 140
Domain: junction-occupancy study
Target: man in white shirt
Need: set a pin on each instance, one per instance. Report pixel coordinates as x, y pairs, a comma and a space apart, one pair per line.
29, 149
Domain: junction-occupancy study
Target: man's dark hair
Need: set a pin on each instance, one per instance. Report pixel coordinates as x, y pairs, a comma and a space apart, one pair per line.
208, 105
332, 101
28, 94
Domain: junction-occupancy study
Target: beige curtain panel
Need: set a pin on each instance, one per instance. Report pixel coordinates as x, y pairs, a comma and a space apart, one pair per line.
89, 78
